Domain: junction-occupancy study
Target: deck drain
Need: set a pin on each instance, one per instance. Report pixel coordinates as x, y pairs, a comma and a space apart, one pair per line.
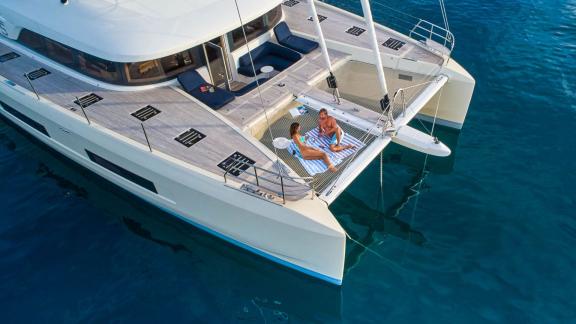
146, 113
405, 77
393, 44
190, 137
8, 57
37, 74
291, 3
236, 163
320, 18
88, 100
355, 30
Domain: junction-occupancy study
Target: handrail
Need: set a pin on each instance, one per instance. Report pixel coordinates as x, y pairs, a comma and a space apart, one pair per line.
235, 166
413, 27
425, 30
401, 94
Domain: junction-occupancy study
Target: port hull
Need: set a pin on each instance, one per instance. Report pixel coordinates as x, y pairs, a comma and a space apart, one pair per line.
310, 242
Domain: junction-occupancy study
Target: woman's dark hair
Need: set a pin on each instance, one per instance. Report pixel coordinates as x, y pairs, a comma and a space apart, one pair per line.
294, 129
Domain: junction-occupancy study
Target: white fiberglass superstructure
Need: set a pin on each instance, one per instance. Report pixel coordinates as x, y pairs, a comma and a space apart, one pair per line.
181, 105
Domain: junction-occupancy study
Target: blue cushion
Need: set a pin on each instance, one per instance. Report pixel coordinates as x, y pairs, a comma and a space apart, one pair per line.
286, 38
277, 56
190, 80
282, 31
215, 100
300, 44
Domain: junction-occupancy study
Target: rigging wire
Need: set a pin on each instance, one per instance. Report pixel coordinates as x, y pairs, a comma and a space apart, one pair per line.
258, 86
444, 15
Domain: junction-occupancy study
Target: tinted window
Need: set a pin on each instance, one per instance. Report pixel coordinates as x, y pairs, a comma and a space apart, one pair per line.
255, 28
144, 70
176, 62
98, 68
128, 175
33, 41
32, 123
60, 53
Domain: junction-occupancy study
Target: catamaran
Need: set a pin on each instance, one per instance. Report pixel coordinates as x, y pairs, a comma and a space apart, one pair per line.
188, 106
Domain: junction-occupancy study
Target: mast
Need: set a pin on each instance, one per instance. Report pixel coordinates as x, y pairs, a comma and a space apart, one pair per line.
331, 80
385, 101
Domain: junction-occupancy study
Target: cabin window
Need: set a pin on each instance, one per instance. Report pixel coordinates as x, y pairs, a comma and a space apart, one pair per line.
32, 123
128, 175
176, 62
60, 53
255, 28
144, 70
98, 68
141, 73
33, 41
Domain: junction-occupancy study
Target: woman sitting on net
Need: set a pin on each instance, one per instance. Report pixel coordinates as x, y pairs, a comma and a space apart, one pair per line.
308, 152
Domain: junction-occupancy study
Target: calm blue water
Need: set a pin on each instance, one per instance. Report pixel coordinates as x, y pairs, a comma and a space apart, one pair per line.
489, 238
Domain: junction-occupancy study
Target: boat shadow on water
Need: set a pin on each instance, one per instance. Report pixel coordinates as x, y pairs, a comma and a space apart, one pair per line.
253, 288
364, 222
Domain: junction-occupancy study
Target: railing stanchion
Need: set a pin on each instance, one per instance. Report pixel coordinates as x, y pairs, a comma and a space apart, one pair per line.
83, 111
256, 175
146, 136
31, 86
282, 185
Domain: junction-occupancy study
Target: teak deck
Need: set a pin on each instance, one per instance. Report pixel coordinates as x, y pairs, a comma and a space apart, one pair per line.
179, 112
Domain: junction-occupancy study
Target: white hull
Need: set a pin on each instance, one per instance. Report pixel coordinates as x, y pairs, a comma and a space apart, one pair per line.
302, 235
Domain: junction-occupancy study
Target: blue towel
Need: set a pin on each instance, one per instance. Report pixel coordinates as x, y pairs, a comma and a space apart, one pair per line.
323, 143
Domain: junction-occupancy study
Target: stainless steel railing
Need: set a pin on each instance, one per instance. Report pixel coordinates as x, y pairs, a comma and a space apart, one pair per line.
425, 30
287, 185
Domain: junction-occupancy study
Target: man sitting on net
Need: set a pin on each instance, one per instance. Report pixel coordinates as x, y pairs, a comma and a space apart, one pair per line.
327, 126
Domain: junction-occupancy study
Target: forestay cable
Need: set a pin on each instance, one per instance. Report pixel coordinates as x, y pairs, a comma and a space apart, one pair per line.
257, 84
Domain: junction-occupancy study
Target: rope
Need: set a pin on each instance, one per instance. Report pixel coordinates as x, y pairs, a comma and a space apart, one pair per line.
444, 15
368, 133
257, 84
436, 112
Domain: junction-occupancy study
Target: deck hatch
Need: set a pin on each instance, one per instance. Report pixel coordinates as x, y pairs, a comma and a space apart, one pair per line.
393, 43
190, 137
8, 56
355, 30
320, 18
236, 163
88, 100
291, 3
405, 77
37, 74
146, 113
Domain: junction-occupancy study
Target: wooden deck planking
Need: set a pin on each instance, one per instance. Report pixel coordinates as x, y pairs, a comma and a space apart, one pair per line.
179, 112
336, 24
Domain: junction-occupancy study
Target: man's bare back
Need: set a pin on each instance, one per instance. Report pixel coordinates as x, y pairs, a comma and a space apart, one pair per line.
327, 126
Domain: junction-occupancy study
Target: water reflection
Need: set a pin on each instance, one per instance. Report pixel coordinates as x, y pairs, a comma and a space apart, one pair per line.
363, 222
253, 289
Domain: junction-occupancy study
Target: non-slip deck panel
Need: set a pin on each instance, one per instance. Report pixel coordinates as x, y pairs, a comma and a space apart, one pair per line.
291, 3
32, 123
126, 174
393, 43
36, 74
355, 30
190, 137
87, 100
236, 163
8, 56
146, 113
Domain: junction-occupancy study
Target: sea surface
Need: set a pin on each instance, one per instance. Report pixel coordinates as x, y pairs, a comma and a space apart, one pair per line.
485, 236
